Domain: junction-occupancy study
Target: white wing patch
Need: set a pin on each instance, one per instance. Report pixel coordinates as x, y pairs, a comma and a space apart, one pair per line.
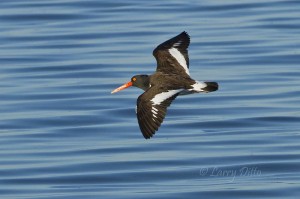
154, 111
198, 86
179, 57
177, 44
159, 98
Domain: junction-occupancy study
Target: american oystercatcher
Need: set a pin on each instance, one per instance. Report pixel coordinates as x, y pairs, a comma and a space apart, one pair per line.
172, 78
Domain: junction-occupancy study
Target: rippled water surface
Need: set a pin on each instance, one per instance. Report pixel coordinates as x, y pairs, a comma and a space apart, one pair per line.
63, 135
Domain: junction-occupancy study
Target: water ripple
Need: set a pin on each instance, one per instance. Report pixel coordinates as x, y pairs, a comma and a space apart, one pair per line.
63, 135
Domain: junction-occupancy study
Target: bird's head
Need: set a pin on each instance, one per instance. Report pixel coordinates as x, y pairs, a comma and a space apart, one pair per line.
140, 81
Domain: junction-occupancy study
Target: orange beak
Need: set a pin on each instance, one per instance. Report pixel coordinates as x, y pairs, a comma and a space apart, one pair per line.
126, 85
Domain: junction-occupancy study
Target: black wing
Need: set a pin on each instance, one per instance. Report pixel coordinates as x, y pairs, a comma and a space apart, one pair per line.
152, 108
172, 55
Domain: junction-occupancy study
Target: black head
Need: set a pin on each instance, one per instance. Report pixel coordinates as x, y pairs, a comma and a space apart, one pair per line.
141, 81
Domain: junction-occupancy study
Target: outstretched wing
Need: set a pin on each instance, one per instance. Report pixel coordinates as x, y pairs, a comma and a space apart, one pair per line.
172, 55
152, 108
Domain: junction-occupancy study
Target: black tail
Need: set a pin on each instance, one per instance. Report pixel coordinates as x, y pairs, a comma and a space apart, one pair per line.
211, 86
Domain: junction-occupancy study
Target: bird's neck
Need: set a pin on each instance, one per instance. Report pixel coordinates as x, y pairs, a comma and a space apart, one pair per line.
145, 83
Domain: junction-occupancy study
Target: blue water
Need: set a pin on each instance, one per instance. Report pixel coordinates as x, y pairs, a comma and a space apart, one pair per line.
63, 135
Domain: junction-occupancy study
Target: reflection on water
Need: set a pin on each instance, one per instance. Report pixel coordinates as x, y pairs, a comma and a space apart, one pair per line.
63, 135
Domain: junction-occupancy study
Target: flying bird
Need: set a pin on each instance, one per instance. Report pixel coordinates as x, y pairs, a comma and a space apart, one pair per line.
171, 78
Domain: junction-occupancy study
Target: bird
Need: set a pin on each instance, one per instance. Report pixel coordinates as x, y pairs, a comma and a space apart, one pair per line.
171, 79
